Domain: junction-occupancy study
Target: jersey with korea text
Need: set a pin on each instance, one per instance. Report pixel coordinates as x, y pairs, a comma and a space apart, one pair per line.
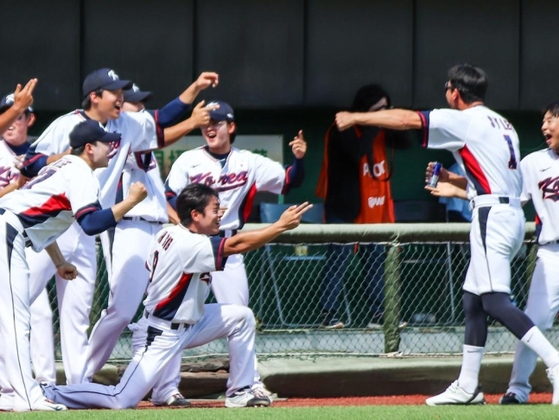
8, 170
243, 174
540, 180
48, 204
180, 264
139, 132
483, 143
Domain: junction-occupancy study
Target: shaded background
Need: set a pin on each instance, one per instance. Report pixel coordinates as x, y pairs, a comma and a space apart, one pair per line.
290, 64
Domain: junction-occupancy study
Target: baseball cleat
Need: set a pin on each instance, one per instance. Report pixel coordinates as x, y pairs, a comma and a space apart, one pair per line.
510, 398
553, 375
175, 400
248, 397
456, 395
261, 388
49, 405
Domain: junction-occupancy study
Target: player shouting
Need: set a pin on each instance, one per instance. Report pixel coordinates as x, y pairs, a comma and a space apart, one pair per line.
103, 99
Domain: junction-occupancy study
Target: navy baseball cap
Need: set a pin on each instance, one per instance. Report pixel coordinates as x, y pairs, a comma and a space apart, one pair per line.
7, 101
89, 131
104, 79
136, 95
224, 112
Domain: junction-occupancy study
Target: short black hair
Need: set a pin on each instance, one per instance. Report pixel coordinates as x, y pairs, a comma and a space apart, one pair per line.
367, 96
470, 81
193, 197
552, 108
86, 103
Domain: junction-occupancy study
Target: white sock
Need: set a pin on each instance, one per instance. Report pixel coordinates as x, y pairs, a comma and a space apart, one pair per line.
471, 364
535, 339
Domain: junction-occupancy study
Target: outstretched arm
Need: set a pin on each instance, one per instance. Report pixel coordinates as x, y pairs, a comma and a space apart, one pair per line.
395, 119
247, 241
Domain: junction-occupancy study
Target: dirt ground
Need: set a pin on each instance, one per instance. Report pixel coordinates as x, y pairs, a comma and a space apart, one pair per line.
391, 400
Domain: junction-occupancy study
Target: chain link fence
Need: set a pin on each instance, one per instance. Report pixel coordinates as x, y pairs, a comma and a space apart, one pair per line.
358, 290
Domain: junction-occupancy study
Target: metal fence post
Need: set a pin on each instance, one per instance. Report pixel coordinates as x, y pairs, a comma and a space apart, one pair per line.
391, 299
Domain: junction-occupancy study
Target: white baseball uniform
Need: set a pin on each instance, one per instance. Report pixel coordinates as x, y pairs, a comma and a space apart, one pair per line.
540, 176
125, 248
37, 215
139, 131
485, 145
42, 340
237, 180
181, 264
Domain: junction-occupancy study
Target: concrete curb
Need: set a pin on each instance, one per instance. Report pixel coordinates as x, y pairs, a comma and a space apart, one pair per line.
342, 376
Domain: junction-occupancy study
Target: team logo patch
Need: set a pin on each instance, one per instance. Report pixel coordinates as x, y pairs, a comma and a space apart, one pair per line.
550, 188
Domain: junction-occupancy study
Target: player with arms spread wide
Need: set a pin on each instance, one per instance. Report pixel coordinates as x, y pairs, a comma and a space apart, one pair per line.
485, 145
181, 264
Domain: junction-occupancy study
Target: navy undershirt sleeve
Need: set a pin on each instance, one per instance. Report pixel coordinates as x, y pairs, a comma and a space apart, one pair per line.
98, 221
172, 113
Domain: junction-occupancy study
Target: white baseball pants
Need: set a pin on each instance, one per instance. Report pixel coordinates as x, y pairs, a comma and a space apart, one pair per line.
75, 297
160, 345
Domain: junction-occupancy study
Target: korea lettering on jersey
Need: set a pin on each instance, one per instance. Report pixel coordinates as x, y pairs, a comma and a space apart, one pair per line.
8, 170
243, 174
139, 131
483, 143
540, 182
180, 264
49, 204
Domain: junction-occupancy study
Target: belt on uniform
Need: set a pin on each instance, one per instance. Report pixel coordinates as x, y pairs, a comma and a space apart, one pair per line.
172, 325
492, 200
139, 219
227, 233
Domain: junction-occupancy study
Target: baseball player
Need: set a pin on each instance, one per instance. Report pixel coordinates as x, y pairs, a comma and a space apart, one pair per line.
181, 265
102, 90
486, 146
125, 246
36, 216
237, 175
23, 99
13, 145
540, 172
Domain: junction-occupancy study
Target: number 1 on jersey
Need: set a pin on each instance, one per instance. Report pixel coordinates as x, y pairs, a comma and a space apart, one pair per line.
512, 160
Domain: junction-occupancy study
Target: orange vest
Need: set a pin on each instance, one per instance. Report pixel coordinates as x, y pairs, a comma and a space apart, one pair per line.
376, 196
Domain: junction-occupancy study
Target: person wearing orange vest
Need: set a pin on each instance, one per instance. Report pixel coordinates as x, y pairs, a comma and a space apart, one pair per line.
355, 185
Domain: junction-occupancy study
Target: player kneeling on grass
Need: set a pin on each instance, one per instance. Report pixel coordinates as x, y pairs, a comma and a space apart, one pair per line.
176, 318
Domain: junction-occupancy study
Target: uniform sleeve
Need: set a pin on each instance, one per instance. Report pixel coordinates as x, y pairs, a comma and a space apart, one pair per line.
204, 254
269, 175
444, 129
54, 140
144, 131
82, 192
176, 180
526, 194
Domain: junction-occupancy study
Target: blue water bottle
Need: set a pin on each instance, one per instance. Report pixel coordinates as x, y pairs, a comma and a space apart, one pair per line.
435, 175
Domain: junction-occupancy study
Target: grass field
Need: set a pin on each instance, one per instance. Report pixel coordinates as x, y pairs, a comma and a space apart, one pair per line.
533, 411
